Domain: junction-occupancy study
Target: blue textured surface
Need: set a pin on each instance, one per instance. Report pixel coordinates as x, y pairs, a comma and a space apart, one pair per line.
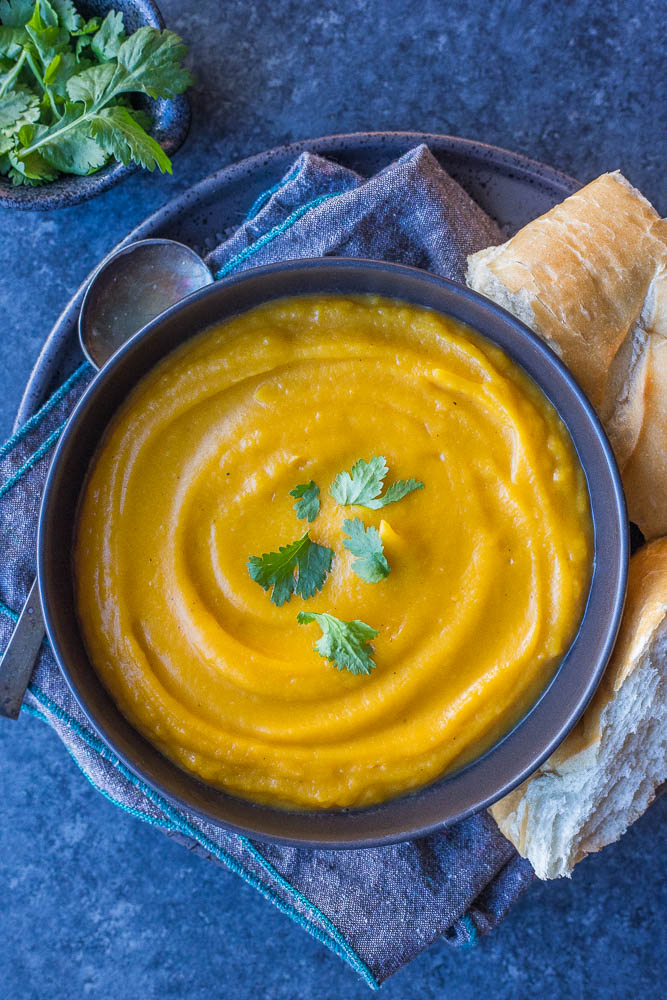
95, 904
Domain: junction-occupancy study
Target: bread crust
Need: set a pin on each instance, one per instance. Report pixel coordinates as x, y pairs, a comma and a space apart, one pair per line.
645, 614
590, 278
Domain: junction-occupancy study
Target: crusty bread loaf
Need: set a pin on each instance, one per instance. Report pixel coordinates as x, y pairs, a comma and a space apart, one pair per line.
590, 278
644, 465
604, 775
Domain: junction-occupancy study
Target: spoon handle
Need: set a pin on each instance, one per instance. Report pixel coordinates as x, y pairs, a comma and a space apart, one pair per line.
19, 657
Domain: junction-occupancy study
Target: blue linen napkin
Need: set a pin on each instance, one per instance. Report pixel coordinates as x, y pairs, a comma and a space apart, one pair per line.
375, 908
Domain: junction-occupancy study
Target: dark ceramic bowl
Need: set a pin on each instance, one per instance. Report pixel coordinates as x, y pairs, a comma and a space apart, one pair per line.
451, 798
170, 125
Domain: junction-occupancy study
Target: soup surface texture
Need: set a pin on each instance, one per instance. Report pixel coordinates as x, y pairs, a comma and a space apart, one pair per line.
490, 562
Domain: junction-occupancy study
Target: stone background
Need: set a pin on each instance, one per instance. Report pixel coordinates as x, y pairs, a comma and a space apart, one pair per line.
94, 903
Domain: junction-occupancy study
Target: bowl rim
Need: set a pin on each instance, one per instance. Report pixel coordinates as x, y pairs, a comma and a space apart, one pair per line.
448, 799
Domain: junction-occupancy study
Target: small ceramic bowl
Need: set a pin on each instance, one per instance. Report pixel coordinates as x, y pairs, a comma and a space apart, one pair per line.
454, 796
170, 118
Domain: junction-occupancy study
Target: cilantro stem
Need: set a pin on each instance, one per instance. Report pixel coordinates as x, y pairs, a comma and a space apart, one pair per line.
9, 79
35, 72
90, 113
58, 132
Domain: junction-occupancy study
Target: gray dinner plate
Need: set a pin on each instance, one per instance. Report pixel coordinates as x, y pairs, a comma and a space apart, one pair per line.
510, 187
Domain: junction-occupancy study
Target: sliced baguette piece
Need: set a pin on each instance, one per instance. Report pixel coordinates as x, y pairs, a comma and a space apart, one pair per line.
644, 469
590, 278
604, 775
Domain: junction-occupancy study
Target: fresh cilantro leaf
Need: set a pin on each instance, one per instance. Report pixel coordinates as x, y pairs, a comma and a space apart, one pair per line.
17, 108
12, 41
120, 134
363, 485
150, 61
308, 500
65, 65
365, 543
68, 16
345, 644
82, 43
396, 491
16, 13
140, 117
45, 15
30, 170
45, 31
19, 179
308, 560
88, 27
52, 69
74, 152
108, 40
92, 86
314, 564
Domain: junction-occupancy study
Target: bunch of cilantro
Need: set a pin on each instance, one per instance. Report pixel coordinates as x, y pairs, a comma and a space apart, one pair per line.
64, 86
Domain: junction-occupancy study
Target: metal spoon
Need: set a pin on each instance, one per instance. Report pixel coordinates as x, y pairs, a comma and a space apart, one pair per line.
131, 287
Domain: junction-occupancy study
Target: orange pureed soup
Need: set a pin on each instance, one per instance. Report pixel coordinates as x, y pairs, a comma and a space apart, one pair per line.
489, 563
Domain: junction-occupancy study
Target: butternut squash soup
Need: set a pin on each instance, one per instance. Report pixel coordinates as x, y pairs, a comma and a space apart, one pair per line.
330, 550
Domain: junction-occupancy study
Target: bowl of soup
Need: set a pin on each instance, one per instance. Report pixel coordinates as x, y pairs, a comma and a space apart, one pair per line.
333, 553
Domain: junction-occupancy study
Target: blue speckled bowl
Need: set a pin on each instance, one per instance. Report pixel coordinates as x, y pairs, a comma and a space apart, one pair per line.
171, 122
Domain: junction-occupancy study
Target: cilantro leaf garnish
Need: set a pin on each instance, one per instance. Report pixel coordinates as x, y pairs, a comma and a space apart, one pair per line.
314, 563
363, 485
308, 500
345, 644
365, 543
397, 491
300, 568
64, 83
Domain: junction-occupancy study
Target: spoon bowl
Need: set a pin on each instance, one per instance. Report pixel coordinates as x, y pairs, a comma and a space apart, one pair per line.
130, 288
